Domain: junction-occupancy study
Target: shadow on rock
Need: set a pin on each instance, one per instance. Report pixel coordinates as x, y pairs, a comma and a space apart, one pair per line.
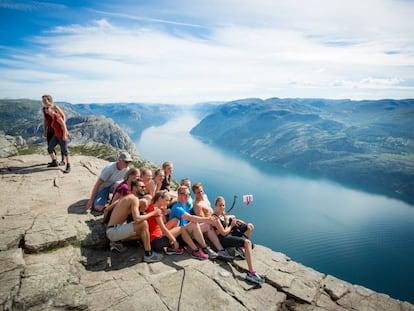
24, 170
78, 207
105, 260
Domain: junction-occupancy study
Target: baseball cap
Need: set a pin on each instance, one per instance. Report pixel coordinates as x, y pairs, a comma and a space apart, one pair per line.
125, 156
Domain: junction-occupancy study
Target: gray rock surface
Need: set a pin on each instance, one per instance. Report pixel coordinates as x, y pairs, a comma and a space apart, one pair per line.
9, 145
54, 256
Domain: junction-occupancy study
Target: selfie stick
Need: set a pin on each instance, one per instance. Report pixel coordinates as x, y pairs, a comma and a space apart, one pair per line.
232, 205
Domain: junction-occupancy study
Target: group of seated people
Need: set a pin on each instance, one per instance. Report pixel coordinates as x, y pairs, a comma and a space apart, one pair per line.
145, 206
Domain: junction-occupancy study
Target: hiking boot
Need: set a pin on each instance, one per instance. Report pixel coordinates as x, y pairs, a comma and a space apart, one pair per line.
239, 251
153, 258
211, 254
67, 171
117, 246
53, 164
199, 254
62, 163
254, 278
174, 251
223, 254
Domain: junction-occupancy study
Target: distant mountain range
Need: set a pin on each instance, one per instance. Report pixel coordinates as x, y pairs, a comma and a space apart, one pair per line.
364, 143
132, 117
367, 144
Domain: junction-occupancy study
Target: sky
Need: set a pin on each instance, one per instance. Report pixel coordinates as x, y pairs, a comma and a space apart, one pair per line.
193, 51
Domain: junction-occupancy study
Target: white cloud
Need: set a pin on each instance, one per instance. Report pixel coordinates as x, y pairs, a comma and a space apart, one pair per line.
263, 49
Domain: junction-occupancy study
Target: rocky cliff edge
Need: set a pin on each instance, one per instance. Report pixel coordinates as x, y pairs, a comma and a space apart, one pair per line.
54, 256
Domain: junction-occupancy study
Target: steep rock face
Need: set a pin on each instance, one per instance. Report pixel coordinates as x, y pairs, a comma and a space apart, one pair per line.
367, 143
55, 256
84, 129
24, 117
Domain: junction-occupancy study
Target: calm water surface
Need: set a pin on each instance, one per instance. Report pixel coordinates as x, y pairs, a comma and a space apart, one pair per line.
362, 238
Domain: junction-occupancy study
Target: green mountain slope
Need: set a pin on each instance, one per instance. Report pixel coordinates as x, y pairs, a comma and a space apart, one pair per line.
365, 143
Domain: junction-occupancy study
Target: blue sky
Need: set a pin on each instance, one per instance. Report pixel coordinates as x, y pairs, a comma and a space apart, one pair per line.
193, 51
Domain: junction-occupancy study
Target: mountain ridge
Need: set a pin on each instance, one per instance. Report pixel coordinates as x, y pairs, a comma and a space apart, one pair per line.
366, 143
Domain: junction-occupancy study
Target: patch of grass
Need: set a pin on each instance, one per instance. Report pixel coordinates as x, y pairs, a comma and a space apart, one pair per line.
96, 150
31, 149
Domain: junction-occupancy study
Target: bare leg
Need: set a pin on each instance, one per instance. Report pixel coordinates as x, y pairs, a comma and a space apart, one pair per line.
195, 231
172, 223
142, 232
187, 239
212, 236
53, 156
176, 231
249, 230
249, 254
68, 159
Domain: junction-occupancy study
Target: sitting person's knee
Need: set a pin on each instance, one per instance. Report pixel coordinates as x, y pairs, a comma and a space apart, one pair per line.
247, 243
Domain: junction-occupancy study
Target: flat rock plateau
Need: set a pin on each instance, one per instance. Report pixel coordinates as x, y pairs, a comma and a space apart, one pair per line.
55, 256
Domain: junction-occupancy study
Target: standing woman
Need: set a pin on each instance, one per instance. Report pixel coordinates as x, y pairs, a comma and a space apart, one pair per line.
224, 227
48, 131
60, 138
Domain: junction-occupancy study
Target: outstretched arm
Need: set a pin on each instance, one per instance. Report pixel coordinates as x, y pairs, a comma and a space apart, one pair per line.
95, 189
195, 218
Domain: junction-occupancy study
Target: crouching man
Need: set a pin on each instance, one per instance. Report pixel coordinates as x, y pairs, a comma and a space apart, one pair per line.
119, 230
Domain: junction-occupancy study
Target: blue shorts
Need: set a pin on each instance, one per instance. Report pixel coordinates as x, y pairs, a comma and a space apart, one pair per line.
102, 196
120, 232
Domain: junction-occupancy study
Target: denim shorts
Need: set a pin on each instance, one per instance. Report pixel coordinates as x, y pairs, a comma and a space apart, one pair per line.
120, 232
102, 196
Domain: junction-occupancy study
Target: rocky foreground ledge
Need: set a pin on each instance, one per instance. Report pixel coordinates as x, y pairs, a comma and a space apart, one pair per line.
54, 256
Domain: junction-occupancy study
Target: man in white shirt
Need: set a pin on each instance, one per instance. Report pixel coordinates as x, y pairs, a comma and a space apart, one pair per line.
111, 174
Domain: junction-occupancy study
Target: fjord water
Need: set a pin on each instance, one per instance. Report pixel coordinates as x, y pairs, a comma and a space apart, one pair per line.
363, 238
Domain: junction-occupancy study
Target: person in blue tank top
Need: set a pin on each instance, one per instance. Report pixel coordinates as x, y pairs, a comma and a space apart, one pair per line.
180, 213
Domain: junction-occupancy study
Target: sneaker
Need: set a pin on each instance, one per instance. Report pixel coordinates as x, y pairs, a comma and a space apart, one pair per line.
53, 164
174, 251
211, 254
223, 254
62, 163
199, 255
239, 251
153, 258
254, 278
117, 246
